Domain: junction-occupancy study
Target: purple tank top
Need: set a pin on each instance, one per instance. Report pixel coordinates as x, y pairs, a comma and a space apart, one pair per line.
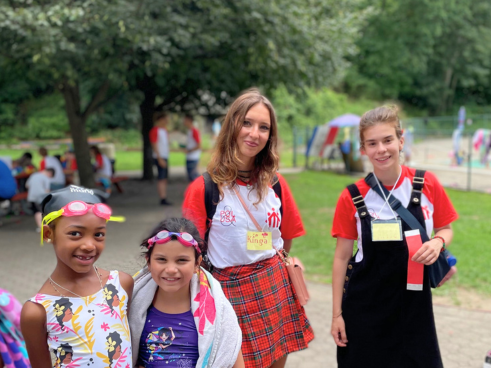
169, 340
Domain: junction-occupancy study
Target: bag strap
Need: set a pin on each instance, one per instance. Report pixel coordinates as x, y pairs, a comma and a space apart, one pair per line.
247, 209
277, 190
397, 206
212, 197
358, 200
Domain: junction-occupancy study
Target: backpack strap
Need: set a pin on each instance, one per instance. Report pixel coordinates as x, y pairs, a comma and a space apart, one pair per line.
418, 184
277, 190
358, 200
212, 196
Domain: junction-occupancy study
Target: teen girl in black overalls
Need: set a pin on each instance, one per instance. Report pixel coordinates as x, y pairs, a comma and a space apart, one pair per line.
376, 321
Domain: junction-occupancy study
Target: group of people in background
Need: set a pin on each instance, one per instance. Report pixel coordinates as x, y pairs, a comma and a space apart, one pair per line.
209, 295
52, 173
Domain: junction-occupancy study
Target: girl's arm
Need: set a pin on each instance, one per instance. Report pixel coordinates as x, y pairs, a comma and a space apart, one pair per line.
429, 252
239, 363
33, 327
127, 283
342, 255
287, 245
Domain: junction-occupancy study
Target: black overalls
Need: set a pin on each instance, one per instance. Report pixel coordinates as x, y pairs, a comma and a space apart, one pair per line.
387, 326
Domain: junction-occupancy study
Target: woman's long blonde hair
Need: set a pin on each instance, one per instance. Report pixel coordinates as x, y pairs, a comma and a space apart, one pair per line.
223, 167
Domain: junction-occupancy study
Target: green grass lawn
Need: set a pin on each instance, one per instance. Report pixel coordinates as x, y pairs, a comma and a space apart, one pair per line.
132, 160
125, 160
316, 194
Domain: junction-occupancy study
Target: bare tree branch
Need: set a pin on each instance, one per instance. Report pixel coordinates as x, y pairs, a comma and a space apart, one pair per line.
107, 100
96, 100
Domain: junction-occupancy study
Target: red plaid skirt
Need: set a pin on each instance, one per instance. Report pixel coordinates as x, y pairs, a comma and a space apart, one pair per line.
272, 321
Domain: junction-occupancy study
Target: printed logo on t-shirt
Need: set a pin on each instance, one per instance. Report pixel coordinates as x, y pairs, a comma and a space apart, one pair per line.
372, 213
158, 341
426, 212
273, 218
227, 216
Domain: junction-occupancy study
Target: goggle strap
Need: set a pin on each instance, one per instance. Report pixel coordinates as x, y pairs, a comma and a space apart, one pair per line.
50, 217
117, 218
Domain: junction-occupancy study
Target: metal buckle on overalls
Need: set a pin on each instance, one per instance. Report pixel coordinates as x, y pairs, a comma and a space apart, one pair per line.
418, 180
357, 200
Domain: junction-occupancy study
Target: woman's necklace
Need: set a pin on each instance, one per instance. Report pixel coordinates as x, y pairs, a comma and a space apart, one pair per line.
245, 176
53, 283
245, 179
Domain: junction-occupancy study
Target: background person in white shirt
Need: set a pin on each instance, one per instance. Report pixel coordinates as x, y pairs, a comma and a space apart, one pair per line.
159, 139
103, 168
58, 180
193, 148
38, 186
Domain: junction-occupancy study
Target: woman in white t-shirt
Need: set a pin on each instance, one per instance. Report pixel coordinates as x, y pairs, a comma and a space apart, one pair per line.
252, 276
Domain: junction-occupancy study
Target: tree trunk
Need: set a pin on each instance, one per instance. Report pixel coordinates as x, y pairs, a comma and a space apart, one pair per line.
146, 110
82, 151
22, 113
79, 135
453, 87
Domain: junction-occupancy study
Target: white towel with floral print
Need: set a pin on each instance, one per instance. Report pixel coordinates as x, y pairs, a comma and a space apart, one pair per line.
219, 334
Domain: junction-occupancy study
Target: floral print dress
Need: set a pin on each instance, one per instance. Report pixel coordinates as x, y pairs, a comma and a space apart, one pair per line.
89, 331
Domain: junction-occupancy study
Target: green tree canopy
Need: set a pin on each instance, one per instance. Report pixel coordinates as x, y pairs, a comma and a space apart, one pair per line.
423, 52
187, 55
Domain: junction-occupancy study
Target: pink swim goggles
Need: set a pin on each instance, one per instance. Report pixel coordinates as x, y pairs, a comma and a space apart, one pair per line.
79, 208
165, 236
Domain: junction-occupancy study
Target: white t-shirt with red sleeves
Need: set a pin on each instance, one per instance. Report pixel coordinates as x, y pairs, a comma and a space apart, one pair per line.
227, 242
193, 139
437, 209
160, 137
51, 162
103, 166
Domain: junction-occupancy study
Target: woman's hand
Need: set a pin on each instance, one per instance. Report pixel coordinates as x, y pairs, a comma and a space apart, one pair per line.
162, 163
429, 252
338, 331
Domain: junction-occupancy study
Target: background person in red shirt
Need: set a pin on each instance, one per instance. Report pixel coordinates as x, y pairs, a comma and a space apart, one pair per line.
159, 139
